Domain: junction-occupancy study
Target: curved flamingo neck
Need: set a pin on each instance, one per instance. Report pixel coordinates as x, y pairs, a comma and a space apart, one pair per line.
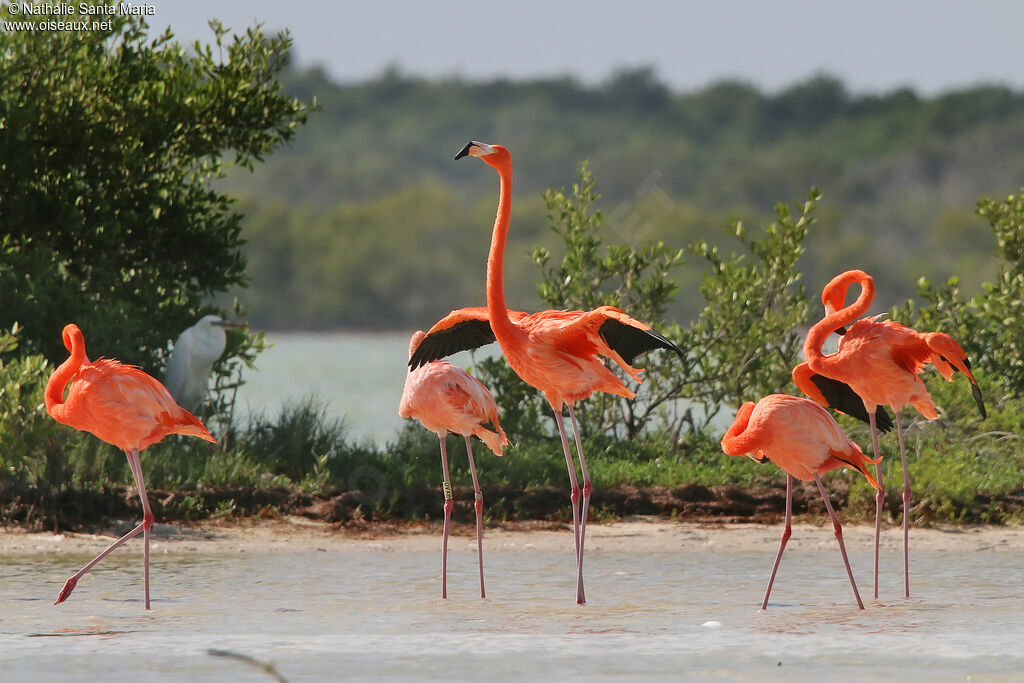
738, 440
54, 395
844, 316
496, 309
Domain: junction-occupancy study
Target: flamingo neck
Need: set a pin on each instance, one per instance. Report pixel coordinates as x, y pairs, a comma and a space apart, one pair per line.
738, 440
844, 316
496, 309
54, 395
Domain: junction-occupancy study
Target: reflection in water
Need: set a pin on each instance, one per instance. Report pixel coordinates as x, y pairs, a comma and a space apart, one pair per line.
357, 614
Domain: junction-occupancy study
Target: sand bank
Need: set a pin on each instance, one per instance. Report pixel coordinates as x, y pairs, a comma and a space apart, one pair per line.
654, 534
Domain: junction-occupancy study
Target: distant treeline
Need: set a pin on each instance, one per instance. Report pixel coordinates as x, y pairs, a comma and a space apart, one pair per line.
366, 222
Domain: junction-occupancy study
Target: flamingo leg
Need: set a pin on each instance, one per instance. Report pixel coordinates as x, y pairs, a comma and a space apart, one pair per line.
135, 463
588, 488
449, 503
786, 533
478, 503
906, 509
839, 537
574, 496
147, 521
879, 493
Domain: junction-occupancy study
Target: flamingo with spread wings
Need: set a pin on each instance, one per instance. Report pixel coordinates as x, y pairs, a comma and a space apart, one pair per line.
123, 406
446, 399
881, 361
556, 352
801, 437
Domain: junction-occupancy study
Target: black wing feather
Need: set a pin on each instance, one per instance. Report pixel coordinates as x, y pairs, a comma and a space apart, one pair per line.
462, 336
842, 398
629, 342
975, 389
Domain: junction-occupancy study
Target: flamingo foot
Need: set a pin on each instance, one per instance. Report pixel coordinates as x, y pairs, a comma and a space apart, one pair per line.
65, 592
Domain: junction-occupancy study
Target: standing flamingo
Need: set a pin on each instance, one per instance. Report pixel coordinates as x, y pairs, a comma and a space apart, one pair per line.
881, 362
446, 399
801, 437
556, 352
123, 406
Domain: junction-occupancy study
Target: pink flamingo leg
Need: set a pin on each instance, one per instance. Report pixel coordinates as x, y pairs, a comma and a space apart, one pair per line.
879, 493
147, 521
478, 504
588, 487
135, 463
70, 584
906, 510
448, 505
574, 496
839, 537
786, 533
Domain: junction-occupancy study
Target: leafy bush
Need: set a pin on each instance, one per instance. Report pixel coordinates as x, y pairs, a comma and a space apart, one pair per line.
749, 336
111, 141
989, 325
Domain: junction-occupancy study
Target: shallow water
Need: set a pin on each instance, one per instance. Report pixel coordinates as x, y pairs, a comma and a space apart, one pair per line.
378, 616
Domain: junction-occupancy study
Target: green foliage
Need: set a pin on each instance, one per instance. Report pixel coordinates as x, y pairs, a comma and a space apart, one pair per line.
27, 433
110, 142
374, 228
989, 325
748, 335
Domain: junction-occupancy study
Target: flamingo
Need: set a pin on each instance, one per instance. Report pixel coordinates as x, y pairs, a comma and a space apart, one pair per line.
881, 361
556, 352
804, 440
445, 399
123, 406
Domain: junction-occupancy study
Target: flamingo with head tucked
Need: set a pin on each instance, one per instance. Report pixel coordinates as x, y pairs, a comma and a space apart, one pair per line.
801, 437
445, 399
123, 406
556, 352
881, 361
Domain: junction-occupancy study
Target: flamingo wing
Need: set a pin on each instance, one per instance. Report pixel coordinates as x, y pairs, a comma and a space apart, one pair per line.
461, 330
838, 396
630, 338
626, 336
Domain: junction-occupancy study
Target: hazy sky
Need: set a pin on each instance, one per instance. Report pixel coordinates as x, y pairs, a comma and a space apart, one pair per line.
873, 45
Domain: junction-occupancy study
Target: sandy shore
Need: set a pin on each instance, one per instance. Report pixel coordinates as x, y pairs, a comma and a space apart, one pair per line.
634, 535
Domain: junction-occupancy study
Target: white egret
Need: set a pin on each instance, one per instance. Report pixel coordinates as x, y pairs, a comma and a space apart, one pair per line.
192, 359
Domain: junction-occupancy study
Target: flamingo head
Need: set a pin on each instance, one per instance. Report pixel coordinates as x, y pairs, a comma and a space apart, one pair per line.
833, 296
72, 336
492, 155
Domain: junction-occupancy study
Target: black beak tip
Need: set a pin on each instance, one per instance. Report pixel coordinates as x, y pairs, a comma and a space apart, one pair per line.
464, 151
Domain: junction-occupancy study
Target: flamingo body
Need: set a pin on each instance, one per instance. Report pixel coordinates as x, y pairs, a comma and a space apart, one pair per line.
123, 406
796, 434
444, 398
802, 438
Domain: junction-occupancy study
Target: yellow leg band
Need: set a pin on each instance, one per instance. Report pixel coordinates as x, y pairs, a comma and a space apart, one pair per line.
447, 487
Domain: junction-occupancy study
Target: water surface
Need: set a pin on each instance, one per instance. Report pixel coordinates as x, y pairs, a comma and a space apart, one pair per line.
362, 615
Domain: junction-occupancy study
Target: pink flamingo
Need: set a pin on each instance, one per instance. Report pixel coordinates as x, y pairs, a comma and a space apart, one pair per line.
123, 406
446, 399
556, 352
801, 437
881, 362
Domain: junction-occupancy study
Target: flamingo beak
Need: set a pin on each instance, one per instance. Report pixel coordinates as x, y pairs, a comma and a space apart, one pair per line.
474, 149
